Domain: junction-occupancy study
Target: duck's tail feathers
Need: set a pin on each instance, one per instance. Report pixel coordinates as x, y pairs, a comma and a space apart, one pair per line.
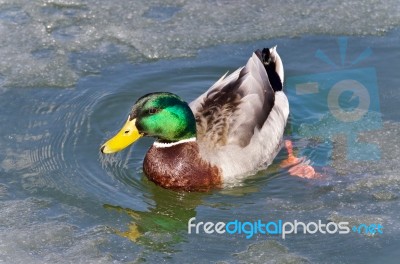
273, 65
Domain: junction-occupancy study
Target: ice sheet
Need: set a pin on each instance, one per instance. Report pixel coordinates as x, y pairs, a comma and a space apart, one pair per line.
54, 42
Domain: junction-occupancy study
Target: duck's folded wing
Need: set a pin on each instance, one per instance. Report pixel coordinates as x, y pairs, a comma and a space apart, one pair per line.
236, 105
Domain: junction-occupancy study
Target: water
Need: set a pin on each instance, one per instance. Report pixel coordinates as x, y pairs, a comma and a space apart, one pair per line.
69, 73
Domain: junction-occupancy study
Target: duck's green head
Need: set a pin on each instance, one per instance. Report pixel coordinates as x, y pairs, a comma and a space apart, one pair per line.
162, 115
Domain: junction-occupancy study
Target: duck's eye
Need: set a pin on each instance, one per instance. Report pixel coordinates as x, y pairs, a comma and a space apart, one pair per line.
152, 111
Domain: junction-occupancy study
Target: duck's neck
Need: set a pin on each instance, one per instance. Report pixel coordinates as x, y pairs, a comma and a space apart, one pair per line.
159, 144
180, 166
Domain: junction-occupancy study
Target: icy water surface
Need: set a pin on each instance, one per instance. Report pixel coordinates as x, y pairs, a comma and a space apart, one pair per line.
71, 70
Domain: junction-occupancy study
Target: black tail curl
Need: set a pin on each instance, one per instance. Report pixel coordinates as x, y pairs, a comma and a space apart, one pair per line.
269, 65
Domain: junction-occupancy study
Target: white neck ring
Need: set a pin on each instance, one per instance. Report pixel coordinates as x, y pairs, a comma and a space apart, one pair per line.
167, 145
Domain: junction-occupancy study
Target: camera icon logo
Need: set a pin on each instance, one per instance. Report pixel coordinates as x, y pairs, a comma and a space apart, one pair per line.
341, 102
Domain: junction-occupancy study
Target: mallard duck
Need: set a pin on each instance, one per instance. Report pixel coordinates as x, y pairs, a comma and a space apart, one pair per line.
233, 129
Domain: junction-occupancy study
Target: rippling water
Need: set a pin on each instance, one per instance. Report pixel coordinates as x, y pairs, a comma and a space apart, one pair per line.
62, 201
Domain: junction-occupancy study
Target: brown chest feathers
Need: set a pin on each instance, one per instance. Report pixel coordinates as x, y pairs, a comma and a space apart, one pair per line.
180, 167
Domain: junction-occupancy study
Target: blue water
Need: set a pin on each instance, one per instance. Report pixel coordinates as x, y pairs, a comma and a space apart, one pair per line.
62, 201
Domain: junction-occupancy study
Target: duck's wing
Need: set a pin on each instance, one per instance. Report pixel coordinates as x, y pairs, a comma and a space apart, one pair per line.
238, 104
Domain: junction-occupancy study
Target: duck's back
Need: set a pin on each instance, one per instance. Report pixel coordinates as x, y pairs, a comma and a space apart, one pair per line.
241, 118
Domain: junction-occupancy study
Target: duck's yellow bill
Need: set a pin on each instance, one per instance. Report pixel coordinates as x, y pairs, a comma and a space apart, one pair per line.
126, 136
